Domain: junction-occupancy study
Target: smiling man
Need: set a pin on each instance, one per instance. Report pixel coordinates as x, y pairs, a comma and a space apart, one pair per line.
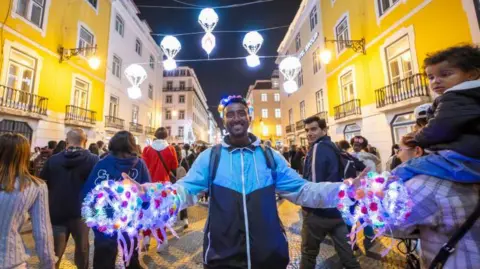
243, 228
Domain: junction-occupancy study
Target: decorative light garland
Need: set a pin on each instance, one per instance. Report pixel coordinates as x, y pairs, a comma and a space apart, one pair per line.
382, 201
208, 19
135, 74
290, 68
170, 47
252, 42
225, 101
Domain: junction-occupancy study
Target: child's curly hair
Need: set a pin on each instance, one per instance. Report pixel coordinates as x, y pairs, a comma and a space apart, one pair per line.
465, 57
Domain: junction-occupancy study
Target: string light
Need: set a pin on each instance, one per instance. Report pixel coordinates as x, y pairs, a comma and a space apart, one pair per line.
170, 47
252, 42
208, 19
290, 67
135, 74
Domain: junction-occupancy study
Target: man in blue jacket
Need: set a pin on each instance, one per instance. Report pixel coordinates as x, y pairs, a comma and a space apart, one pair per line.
243, 229
323, 164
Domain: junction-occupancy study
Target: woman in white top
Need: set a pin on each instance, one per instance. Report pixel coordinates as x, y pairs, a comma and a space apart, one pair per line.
22, 193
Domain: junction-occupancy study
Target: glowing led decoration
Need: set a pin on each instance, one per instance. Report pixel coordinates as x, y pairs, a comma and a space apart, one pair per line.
208, 19
326, 56
94, 62
135, 74
382, 201
225, 101
252, 42
170, 47
290, 67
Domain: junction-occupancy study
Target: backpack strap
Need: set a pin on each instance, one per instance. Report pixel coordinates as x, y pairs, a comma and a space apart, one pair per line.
267, 151
213, 165
449, 247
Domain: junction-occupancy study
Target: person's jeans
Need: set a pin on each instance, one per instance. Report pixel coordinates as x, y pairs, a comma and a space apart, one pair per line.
314, 231
79, 231
106, 250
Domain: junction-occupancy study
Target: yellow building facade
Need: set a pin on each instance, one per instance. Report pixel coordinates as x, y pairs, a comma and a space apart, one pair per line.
42, 94
374, 93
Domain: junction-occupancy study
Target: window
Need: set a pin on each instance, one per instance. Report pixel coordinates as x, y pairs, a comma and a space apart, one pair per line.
119, 25
298, 42
319, 101
135, 111
277, 113
265, 130
290, 116
276, 97
85, 40
181, 99
384, 5
399, 60
341, 32
150, 91
21, 71
169, 85
32, 10
113, 109
169, 130
80, 93
181, 115
347, 87
168, 115
182, 85
150, 119
278, 128
351, 130
168, 99
302, 110
264, 97
94, 3
264, 113
300, 79
152, 62
138, 47
316, 61
313, 18
116, 66
180, 131
401, 125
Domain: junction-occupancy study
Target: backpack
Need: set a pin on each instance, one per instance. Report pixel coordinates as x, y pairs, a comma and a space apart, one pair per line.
215, 159
346, 162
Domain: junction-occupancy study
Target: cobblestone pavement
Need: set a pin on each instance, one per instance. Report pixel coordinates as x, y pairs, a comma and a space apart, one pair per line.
186, 252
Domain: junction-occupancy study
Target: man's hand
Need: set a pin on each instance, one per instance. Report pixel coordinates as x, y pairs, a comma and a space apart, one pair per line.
356, 182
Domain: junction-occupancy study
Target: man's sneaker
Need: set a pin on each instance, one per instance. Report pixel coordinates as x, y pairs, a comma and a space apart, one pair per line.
185, 223
146, 243
161, 247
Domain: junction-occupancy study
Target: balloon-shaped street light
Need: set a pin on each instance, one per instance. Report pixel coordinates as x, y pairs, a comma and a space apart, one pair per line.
252, 42
290, 67
170, 47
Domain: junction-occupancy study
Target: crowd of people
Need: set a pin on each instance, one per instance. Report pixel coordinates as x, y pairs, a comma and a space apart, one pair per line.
439, 163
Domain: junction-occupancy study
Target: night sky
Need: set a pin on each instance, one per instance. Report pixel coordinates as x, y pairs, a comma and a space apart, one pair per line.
223, 78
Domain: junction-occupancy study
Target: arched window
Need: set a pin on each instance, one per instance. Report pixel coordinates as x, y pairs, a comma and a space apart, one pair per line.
351, 130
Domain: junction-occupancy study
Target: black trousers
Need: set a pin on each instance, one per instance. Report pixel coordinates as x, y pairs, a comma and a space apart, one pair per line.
314, 231
183, 214
79, 231
106, 250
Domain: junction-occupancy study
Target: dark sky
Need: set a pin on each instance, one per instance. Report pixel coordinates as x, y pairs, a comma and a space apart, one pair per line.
222, 78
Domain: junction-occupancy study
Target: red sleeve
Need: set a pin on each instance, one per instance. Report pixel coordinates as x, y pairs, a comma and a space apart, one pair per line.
146, 157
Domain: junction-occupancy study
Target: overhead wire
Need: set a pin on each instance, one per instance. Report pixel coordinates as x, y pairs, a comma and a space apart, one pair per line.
224, 31
193, 6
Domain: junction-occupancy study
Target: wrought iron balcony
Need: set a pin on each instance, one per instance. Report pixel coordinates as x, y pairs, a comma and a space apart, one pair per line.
300, 125
78, 115
21, 100
150, 130
136, 127
407, 88
346, 109
114, 122
290, 128
177, 89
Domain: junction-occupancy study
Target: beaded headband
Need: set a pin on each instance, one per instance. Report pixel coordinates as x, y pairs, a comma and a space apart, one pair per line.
226, 101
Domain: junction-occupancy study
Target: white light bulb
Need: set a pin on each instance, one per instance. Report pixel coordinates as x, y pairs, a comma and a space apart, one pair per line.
290, 67
134, 92
94, 62
208, 19
208, 42
290, 86
252, 42
169, 64
170, 46
253, 60
326, 56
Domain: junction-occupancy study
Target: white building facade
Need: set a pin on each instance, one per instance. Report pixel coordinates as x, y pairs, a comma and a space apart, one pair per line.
304, 39
130, 42
184, 107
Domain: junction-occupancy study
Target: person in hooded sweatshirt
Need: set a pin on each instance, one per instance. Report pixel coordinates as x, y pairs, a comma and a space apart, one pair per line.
161, 160
121, 159
453, 133
65, 173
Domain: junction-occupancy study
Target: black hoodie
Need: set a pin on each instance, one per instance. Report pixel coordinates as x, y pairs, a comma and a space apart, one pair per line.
66, 174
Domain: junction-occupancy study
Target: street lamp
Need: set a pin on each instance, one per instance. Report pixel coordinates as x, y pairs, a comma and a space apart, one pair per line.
355, 45
174, 113
93, 61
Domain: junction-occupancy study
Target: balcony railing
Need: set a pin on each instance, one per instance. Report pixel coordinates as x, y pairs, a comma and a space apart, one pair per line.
21, 100
349, 108
177, 89
79, 114
150, 130
407, 88
290, 128
136, 127
300, 125
114, 122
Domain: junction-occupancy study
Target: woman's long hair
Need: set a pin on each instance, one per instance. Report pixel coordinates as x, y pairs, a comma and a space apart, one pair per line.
14, 160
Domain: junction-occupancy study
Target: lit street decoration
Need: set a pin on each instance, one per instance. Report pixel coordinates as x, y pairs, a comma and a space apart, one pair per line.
326, 56
252, 42
170, 47
290, 67
94, 62
135, 74
208, 19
